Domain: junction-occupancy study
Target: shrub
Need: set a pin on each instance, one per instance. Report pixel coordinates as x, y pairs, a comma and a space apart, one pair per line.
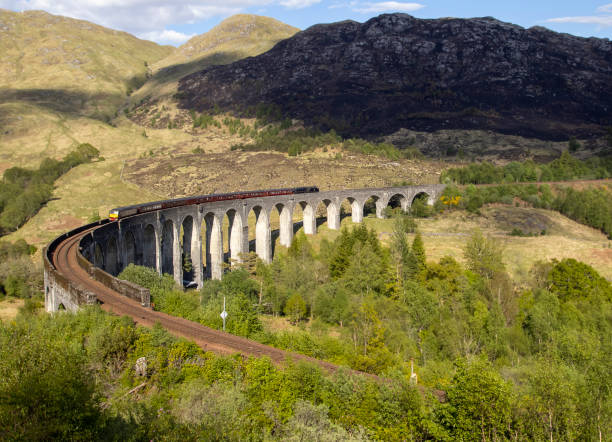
295, 308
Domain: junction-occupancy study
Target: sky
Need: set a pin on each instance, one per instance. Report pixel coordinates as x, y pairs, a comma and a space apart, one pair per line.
175, 21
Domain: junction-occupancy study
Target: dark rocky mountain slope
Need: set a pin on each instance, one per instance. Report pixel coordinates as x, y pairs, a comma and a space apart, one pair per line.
396, 71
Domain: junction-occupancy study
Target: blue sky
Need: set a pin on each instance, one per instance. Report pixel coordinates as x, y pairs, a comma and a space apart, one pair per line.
174, 21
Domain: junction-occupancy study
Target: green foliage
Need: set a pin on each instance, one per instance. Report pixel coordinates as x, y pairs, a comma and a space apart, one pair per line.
478, 403
420, 208
294, 142
573, 144
401, 252
590, 206
570, 279
418, 251
205, 307
148, 278
483, 255
344, 244
15, 250
23, 191
204, 121
564, 168
19, 277
46, 387
531, 361
550, 402
95, 216
295, 308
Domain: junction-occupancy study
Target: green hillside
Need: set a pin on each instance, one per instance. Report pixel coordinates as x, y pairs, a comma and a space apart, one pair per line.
57, 73
63, 82
67, 64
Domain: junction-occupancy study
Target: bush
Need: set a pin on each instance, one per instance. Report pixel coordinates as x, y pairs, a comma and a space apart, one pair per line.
19, 277
47, 391
295, 308
571, 279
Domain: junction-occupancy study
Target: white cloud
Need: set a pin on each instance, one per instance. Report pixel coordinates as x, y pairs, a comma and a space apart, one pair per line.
298, 4
601, 20
140, 17
167, 36
605, 8
366, 8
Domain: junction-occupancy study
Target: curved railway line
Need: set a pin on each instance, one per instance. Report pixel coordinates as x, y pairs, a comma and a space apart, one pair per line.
64, 259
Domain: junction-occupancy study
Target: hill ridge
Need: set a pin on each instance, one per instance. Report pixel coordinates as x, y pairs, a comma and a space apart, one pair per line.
396, 71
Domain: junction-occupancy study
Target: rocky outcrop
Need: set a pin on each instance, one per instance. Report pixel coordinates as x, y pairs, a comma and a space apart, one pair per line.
396, 71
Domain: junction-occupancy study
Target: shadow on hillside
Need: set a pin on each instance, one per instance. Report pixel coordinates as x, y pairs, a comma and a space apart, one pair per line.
175, 72
75, 103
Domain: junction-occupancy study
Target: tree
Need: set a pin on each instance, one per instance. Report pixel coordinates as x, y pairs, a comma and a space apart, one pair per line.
47, 390
367, 271
418, 250
369, 334
571, 279
573, 144
596, 397
551, 401
478, 403
295, 308
483, 255
310, 422
400, 251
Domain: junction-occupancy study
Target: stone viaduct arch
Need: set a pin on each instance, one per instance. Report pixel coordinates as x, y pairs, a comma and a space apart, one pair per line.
188, 241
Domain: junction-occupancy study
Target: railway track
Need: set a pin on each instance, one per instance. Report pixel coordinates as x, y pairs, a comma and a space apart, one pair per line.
64, 259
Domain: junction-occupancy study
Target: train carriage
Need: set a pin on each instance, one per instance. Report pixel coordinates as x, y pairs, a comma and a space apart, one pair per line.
122, 212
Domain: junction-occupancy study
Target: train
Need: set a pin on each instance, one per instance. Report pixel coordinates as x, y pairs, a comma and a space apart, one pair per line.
136, 209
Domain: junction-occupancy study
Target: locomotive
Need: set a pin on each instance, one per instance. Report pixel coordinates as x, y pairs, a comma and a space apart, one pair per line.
122, 212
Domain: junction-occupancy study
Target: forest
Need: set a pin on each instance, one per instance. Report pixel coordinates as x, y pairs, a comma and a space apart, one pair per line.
495, 359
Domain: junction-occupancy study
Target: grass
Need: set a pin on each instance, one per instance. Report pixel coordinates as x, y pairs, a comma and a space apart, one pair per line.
447, 235
96, 187
9, 307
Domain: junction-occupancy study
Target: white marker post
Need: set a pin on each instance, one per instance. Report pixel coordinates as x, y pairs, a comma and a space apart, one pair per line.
224, 314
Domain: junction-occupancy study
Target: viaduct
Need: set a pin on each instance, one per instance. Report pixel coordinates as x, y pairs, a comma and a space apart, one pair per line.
164, 238
80, 267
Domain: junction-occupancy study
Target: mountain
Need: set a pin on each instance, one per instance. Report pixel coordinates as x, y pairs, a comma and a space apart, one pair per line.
397, 72
70, 65
235, 38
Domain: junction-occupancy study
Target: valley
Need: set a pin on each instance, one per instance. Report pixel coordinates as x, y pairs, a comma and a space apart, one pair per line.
474, 319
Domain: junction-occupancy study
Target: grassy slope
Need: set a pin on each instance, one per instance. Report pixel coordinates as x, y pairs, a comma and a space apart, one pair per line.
239, 36
96, 187
58, 74
447, 235
62, 80
40, 51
